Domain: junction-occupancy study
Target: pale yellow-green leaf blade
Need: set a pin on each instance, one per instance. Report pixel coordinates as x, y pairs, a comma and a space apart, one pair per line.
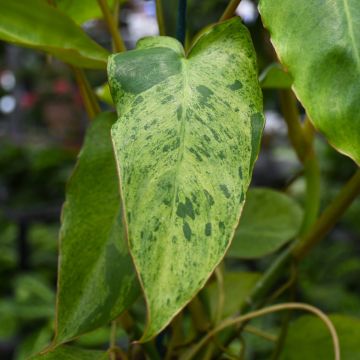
186, 140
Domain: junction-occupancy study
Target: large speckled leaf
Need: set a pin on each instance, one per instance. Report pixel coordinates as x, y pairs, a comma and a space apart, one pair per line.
187, 136
269, 220
71, 353
97, 280
36, 24
319, 43
308, 338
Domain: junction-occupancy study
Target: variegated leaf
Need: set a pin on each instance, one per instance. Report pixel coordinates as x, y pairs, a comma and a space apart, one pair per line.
186, 140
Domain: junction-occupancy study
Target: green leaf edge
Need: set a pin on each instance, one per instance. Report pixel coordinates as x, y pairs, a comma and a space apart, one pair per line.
266, 26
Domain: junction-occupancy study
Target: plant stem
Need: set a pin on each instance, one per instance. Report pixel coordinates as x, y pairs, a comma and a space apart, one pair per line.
181, 21
90, 102
230, 10
176, 337
301, 139
258, 332
112, 26
198, 315
268, 279
312, 195
329, 217
219, 308
271, 309
295, 130
160, 17
113, 340
284, 326
300, 248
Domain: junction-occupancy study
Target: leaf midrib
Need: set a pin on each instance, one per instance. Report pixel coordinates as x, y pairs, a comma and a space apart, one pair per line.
351, 32
181, 135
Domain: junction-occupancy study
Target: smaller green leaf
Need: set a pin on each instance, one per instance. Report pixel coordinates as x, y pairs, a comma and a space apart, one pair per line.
82, 11
96, 276
34, 342
308, 338
269, 220
36, 24
71, 353
274, 77
237, 287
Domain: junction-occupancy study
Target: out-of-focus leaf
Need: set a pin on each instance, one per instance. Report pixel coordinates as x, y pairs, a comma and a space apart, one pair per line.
34, 343
8, 320
237, 287
71, 353
186, 140
274, 77
97, 280
35, 24
269, 220
81, 10
319, 44
308, 338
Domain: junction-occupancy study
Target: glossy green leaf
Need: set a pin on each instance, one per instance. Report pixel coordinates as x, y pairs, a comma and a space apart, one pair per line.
83, 10
319, 43
186, 140
274, 77
36, 24
71, 353
237, 287
97, 280
269, 220
308, 338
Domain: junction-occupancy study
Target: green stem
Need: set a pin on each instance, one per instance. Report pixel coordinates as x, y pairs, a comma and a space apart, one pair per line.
255, 314
258, 332
116, 17
198, 315
301, 247
113, 339
149, 347
230, 10
208, 355
284, 326
176, 337
89, 98
160, 17
312, 195
295, 130
329, 217
301, 139
268, 279
112, 26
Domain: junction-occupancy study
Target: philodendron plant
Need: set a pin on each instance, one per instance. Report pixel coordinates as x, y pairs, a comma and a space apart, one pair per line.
160, 193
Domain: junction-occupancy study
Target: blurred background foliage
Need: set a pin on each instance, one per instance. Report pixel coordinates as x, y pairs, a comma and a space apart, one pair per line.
42, 124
